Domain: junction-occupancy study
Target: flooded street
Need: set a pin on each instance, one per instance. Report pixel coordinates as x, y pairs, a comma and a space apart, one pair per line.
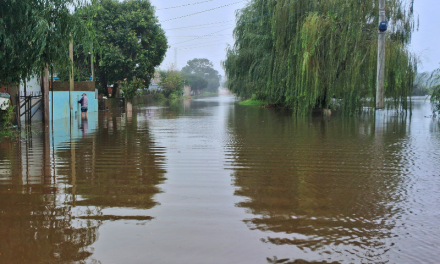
210, 181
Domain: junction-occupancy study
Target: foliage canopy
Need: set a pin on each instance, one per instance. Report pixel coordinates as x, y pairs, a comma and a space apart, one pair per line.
36, 33
172, 82
303, 53
130, 88
203, 68
131, 41
197, 82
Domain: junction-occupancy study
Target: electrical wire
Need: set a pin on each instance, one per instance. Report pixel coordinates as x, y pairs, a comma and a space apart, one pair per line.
204, 46
255, 18
202, 36
197, 36
184, 5
221, 22
191, 28
215, 41
202, 11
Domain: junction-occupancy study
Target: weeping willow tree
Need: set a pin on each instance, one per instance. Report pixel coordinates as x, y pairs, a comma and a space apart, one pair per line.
303, 54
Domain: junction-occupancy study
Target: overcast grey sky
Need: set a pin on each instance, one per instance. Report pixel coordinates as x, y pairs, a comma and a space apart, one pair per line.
426, 42
205, 35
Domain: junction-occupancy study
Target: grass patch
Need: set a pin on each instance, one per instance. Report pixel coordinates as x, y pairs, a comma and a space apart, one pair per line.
253, 102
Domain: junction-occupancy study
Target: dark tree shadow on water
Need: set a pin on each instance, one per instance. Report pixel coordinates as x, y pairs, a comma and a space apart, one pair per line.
275, 260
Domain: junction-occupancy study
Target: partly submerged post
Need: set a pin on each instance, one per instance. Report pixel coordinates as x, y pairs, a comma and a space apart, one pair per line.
380, 89
45, 91
71, 77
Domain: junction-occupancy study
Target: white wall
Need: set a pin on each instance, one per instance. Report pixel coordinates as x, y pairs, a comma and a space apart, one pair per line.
32, 87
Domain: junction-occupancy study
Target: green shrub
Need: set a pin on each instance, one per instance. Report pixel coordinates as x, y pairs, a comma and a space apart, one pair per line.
5, 122
130, 88
253, 101
159, 97
173, 96
435, 98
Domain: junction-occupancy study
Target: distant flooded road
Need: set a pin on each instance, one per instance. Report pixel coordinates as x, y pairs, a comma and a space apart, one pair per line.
210, 181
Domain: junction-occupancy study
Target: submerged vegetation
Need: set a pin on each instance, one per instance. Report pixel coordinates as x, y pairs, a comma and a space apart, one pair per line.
304, 54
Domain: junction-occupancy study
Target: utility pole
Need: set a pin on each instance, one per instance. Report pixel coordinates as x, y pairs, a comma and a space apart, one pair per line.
72, 84
45, 91
380, 89
92, 65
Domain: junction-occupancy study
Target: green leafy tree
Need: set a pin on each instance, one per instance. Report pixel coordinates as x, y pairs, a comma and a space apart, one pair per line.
131, 41
172, 82
34, 34
197, 82
130, 87
81, 66
303, 53
203, 68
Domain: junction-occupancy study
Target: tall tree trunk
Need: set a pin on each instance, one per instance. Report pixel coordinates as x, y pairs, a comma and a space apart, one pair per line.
115, 88
103, 81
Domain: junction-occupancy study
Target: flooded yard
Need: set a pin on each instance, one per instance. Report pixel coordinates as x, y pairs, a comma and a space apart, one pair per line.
210, 181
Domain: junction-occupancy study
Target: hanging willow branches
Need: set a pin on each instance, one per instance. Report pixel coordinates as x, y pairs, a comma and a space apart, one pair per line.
304, 54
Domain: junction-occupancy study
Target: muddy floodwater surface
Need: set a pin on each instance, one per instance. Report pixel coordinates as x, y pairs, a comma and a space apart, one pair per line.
210, 181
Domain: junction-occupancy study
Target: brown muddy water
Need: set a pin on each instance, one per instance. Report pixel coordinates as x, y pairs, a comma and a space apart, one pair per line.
209, 181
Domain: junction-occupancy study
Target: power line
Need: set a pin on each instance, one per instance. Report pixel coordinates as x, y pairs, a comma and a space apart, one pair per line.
184, 5
202, 36
255, 18
215, 41
221, 22
191, 28
196, 36
204, 46
201, 11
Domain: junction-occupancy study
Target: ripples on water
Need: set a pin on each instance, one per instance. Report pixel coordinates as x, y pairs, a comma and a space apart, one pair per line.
209, 181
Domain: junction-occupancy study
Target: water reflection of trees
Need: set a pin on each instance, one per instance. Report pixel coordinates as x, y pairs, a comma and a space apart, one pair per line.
325, 185
57, 220
37, 227
120, 166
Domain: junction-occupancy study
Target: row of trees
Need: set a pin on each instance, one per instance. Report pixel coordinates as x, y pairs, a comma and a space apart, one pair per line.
304, 53
199, 74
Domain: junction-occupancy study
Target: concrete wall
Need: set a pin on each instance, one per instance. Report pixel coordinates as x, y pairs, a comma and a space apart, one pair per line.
61, 107
187, 91
78, 86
